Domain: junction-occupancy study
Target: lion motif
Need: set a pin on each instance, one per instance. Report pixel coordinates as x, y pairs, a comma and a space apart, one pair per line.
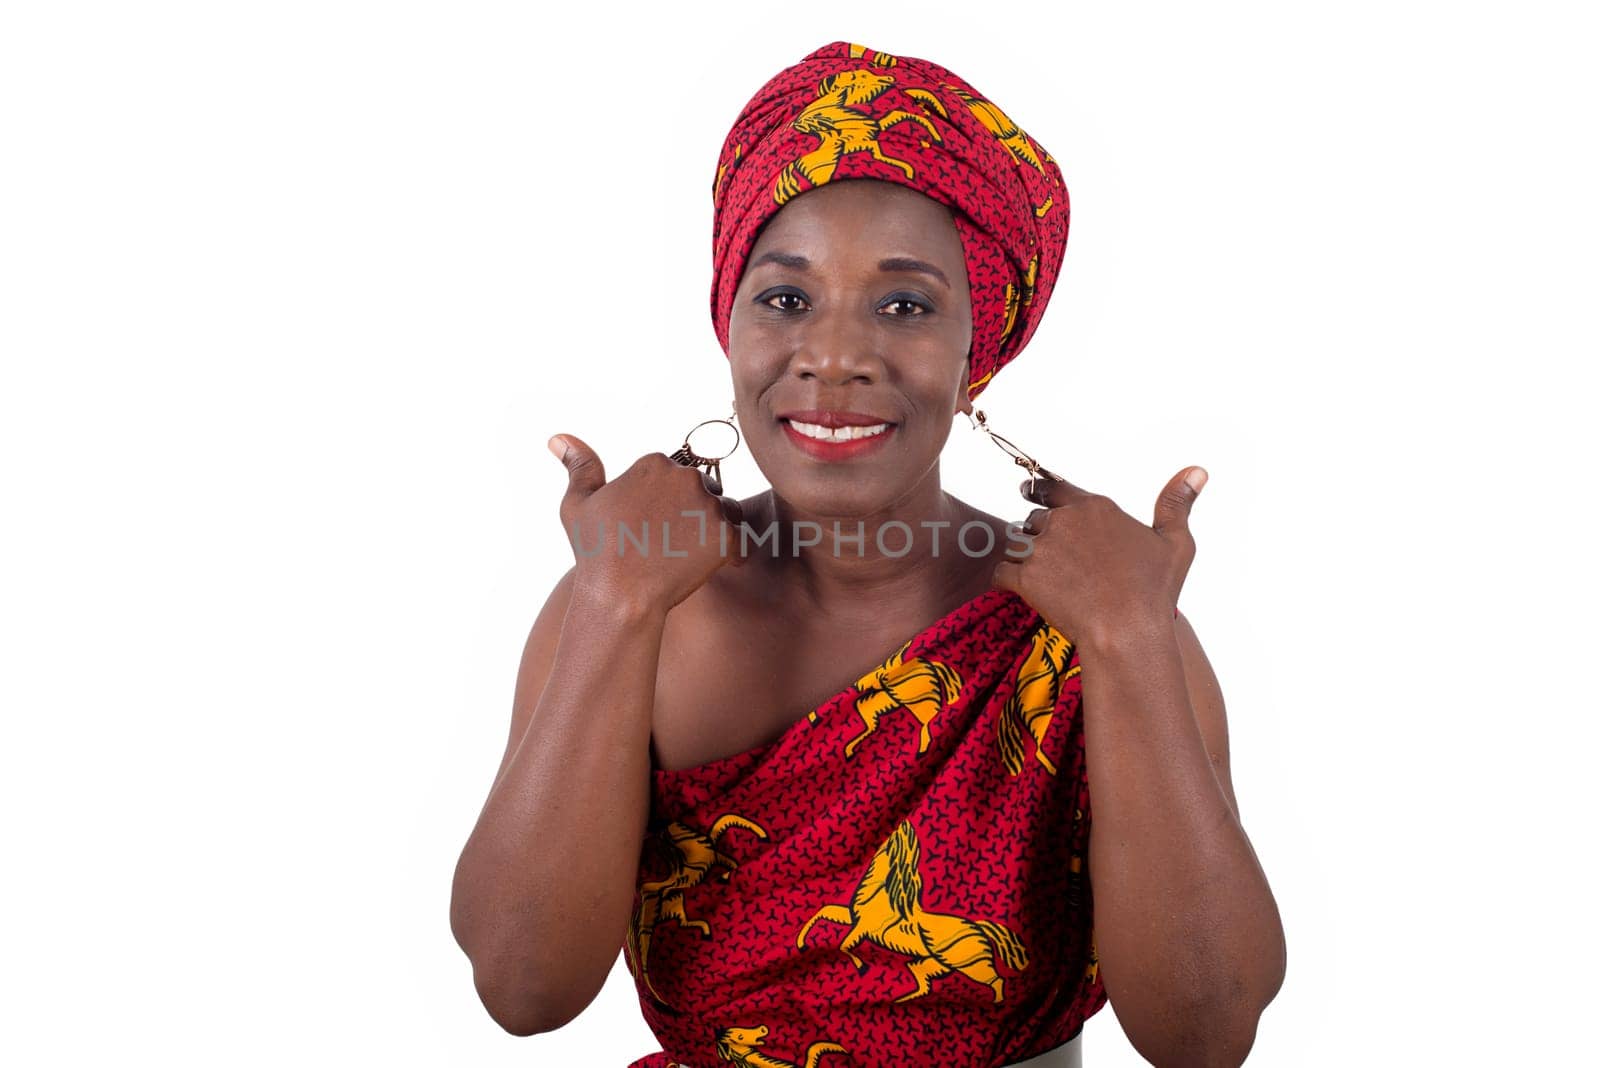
742, 1046
923, 687
835, 118
1033, 704
887, 911
1008, 133
690, 856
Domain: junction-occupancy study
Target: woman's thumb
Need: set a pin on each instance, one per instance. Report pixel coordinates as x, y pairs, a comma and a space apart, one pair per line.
585, 474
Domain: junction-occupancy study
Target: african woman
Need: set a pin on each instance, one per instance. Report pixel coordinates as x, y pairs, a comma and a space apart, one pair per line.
820, 760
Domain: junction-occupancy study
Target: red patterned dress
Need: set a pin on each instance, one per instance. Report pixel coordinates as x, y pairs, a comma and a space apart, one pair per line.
901, 878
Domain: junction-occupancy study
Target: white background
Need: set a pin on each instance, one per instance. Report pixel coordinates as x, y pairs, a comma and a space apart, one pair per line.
292, 294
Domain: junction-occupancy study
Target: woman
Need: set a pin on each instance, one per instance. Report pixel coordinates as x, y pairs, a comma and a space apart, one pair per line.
858, 757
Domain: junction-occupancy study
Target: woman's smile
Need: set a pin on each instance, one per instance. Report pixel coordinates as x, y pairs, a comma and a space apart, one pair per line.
836, 443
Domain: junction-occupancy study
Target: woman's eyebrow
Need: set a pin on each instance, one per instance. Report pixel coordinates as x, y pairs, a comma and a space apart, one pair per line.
893, 263
906, 263
782, 259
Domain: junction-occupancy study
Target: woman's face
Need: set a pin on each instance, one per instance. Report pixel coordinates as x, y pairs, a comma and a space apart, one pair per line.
854, 300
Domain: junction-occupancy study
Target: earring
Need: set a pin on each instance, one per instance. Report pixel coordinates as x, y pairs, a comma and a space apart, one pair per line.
687, 457
1035, 470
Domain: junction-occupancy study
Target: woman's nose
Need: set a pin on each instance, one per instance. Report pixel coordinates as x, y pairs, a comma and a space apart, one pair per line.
836, 351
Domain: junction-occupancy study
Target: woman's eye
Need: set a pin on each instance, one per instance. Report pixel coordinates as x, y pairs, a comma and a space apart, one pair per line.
797, 298
915, 307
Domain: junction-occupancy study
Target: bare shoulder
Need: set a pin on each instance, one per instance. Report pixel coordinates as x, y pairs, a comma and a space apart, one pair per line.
986, 551
716, 673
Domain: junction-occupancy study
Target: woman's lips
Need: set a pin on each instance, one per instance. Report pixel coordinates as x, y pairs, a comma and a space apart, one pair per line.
836, 450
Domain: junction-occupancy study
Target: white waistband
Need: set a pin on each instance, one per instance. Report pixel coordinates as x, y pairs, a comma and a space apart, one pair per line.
1066, 1055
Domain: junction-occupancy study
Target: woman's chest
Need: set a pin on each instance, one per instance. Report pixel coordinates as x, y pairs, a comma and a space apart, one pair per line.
723, 690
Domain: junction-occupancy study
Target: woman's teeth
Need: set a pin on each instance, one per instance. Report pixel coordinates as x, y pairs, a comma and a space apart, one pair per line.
837, 433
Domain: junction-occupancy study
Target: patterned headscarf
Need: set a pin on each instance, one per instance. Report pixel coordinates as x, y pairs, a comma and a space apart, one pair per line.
846, 111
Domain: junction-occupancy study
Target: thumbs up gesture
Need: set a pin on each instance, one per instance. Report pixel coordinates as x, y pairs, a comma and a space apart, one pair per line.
649, 537
1094, 572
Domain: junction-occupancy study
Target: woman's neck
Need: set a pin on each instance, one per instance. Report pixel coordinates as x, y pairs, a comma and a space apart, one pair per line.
912, 547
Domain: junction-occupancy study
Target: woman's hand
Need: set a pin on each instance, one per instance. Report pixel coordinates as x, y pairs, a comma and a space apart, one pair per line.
1094, 570
686, 531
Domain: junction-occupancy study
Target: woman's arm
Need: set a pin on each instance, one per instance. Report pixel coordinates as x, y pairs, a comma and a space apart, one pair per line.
544, 888
1190, 943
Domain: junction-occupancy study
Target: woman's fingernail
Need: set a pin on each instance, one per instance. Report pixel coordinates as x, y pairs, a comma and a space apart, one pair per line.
1196, 478
557, 447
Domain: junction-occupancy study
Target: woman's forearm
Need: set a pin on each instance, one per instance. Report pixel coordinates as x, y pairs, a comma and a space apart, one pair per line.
1190, 942
544, 887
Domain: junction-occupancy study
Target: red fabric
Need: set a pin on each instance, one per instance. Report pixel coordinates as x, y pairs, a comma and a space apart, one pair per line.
846, 111
958, 851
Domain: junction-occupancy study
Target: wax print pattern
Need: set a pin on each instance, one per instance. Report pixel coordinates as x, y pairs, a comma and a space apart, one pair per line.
901, 878
848, 111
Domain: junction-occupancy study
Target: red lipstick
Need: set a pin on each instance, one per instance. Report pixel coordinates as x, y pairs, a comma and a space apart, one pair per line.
844, 449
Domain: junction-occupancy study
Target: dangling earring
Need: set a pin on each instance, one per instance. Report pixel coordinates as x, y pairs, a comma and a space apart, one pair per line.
1035, 470
687, 457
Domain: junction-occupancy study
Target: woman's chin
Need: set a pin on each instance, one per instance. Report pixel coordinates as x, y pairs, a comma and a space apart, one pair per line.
833, 498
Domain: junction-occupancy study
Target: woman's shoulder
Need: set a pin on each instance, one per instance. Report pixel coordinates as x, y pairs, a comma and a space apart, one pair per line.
984, 553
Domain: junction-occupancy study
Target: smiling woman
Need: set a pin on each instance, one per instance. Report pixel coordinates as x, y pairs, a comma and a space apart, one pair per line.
830, 790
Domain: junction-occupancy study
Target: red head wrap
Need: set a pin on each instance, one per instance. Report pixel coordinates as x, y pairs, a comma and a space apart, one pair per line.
846, 111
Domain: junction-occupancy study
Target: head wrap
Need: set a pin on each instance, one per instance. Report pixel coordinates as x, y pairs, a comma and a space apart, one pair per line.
846, 111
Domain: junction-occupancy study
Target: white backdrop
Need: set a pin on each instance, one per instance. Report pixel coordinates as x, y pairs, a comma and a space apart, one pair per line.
294, 293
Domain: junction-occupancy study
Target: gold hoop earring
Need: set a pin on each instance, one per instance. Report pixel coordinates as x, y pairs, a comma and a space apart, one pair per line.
1036, 471
712, 465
